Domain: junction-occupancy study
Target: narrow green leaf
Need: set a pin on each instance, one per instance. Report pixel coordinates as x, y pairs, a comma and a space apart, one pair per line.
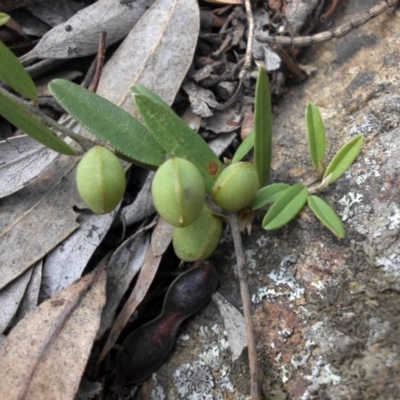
4, 18
22, 119
14, 75
108, 122
140, 89
177, 139
267, 195
344, 158
263, 127
326, 215
316, 136
286, 207
244, 148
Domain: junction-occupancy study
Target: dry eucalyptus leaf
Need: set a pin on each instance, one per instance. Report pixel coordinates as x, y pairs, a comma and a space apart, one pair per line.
55, 12
222, 142
37, 218
31, 296
123, 266
22, 160
65, 264
10, 298
234, 325
144, 280
41, 215
157, 53
223, 121
79, 36
200, 99
162, 237
45, 355
142, 207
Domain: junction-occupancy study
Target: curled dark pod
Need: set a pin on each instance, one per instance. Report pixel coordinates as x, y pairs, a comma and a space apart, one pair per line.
146, 348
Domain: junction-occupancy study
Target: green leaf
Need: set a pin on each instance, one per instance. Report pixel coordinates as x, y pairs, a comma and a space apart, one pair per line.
316, 136
140, 89
4, 18
286, 207
326, 215
244, 148
344, 158
177, 139
263, 127
22, 119
267, 195
108, 122
14, 75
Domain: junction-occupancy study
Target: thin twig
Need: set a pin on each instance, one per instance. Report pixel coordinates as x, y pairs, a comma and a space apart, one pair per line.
247, 59
99, 62
330, 12
255, 391
250, 38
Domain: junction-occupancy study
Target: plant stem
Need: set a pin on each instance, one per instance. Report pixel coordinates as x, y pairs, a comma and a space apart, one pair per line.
34, 110
255, 391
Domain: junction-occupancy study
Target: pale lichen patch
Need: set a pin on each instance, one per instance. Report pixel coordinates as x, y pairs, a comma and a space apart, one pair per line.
285, 282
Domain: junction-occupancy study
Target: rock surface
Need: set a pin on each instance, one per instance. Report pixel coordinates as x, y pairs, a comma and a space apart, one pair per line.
326, 312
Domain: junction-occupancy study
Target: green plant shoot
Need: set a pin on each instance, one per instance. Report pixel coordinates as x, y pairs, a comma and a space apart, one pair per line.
263, 128
14, 74
316, 137
344, 158
286, 207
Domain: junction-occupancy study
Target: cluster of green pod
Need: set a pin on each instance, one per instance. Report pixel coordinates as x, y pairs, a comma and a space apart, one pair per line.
179, 196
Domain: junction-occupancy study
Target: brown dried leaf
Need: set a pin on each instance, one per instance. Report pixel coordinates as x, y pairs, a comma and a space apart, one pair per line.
234, 324
36, 219
45, 355
157, 53
145, 279
79, 36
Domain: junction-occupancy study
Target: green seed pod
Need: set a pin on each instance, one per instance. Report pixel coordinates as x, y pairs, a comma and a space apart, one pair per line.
199, 240
178, 192
101, 180
236, 186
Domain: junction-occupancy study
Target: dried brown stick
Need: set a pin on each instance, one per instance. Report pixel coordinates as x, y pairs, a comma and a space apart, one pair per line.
255, 390
99, 62
340, 31
330, 12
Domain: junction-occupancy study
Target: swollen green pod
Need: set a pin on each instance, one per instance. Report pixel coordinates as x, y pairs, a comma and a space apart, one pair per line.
100, 179
178, 192
236, 186
199, 240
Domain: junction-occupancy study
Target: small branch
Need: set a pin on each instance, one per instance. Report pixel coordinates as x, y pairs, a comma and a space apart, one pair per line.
250, 37
255, 391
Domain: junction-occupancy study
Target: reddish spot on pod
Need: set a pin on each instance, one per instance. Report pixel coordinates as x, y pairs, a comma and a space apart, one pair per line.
213, 168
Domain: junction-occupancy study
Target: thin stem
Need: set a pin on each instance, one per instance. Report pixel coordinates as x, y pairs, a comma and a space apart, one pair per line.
255, 391
34, 110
